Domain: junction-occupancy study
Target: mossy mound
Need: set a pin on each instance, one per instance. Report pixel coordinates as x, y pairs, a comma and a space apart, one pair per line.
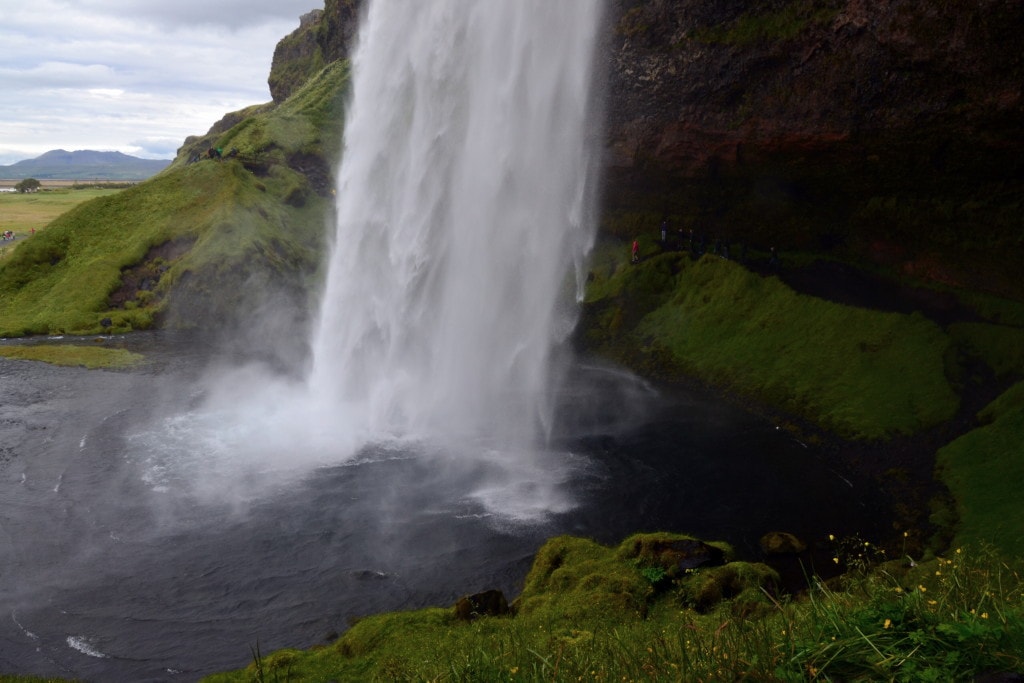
713, 319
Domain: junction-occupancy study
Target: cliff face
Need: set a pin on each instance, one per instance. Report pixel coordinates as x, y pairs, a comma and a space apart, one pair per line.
323, 36
888, 129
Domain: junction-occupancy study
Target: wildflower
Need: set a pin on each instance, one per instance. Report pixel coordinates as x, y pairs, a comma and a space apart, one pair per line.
932, 602
984, 615
922, 589
831, 537
514, 670
958, 551
887, 624
836, 560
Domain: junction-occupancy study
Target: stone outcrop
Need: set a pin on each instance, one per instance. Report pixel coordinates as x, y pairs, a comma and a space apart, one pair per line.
323, 36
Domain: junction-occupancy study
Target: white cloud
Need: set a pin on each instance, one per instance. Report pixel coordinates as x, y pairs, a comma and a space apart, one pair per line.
130, 76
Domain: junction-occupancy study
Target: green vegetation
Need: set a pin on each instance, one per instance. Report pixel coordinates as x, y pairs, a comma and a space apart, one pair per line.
588, 612
75, 355
830, 364
983, 470
27, 185
23, 213
197, 244
755, 25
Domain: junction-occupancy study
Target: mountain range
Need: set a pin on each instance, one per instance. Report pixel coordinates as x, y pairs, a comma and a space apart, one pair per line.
59, 164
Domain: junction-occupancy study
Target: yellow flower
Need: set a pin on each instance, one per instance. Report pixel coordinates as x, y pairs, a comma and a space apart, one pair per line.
836, 560
922, 589
932, 602
831, 537
887, 624
984, 615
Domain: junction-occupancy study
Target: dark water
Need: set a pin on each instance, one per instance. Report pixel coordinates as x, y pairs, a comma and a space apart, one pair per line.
106, 577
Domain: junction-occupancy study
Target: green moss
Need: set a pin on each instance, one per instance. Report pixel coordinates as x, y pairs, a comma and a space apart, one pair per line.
995, 309
1000, 347
748, 583
831, 364
572, 578
983, 470
757, 26
74, 355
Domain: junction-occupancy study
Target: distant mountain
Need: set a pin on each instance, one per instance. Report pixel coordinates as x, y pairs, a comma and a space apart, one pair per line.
59, 164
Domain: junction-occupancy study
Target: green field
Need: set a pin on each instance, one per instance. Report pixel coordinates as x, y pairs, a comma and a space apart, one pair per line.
23, 213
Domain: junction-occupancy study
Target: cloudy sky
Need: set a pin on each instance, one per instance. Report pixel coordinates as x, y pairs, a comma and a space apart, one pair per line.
133, 76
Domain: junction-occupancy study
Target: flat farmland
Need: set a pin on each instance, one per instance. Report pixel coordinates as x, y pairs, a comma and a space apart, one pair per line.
23, 213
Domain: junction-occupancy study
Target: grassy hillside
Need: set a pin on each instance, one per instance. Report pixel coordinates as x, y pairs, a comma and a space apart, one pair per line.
25, 212
203, 244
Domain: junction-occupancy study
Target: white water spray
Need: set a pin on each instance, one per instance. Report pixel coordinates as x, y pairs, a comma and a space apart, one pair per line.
462, 208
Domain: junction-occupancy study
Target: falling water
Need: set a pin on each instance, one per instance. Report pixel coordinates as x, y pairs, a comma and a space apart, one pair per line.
463, 208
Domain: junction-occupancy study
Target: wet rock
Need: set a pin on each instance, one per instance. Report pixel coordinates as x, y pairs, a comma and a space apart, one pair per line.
690, 554
490, 603
781, 543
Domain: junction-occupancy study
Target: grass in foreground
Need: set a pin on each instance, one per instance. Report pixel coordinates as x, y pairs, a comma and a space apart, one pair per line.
947, 619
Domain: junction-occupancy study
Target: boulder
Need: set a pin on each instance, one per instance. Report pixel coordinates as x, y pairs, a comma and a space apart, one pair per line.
781, 543
490, 603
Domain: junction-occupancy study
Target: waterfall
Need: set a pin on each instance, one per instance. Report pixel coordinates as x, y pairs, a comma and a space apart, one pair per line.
463, 208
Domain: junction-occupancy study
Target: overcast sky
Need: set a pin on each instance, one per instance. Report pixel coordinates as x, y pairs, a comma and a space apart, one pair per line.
133, 76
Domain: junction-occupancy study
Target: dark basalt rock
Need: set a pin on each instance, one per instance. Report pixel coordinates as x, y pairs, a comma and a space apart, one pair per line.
781, 543
490, 603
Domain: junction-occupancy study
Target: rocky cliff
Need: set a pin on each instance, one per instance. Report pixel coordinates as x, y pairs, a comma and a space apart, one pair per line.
887, 130
323, 36
890, 128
